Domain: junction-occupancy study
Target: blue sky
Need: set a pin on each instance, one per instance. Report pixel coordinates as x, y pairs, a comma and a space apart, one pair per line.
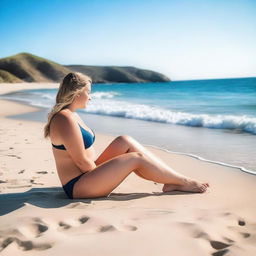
182, 39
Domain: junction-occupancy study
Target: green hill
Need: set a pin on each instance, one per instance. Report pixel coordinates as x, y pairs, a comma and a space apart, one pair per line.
101, 74
26, 67
31, 68
6, 77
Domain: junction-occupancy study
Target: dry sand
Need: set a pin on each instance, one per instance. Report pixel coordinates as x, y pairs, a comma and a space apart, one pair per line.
36, 218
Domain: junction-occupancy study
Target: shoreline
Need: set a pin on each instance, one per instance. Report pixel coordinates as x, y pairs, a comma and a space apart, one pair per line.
54, 86
238, 168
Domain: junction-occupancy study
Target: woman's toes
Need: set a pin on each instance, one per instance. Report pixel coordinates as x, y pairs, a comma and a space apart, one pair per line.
202, 188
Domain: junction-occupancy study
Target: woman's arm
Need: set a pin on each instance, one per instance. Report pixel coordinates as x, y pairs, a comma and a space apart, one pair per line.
72, 139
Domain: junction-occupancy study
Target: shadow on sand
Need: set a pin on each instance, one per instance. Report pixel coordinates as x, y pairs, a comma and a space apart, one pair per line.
54, 197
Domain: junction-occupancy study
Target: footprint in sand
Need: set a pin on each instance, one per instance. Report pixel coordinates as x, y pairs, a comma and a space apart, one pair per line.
219, 245
241, 222
28, 232
81, 220
128, 228
197, 232
102, 228
24, 245
64, 225
220, 253
107, 228
245, 235
34, 229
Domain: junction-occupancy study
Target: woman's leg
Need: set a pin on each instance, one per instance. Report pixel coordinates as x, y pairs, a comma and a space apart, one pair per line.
103, 179
108, 175
174, 181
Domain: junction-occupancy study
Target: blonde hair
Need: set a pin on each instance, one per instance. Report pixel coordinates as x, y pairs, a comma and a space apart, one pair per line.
71, 85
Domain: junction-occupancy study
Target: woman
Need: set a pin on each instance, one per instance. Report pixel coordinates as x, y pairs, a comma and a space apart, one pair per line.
81, 174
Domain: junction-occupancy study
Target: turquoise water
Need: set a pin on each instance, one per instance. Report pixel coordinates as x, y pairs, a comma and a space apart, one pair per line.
224, 96
220, 104
224, 111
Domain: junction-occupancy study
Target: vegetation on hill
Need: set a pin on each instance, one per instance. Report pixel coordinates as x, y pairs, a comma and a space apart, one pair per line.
31, 68
112, 74
26, 67
6, 77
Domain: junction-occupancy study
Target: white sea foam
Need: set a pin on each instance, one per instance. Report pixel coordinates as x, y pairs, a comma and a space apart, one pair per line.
104, 95
157, 114
95, 95
45, 95
104, 104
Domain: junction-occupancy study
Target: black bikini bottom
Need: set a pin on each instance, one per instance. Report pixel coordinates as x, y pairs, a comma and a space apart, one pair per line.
68, 187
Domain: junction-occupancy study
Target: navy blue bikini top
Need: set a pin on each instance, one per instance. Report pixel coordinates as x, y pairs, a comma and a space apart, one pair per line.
87, 138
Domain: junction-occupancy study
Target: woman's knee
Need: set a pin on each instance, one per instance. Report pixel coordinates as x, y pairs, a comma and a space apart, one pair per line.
125, 138
137, 158
129, 141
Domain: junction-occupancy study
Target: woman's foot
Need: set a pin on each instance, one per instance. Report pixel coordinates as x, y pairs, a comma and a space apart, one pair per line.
188, 186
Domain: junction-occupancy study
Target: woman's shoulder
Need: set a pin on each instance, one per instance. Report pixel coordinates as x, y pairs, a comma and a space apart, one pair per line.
62, 118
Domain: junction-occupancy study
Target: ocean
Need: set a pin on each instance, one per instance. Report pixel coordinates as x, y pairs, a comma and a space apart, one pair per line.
211, 119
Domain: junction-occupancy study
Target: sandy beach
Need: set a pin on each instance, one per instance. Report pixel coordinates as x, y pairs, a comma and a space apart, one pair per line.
36, 217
